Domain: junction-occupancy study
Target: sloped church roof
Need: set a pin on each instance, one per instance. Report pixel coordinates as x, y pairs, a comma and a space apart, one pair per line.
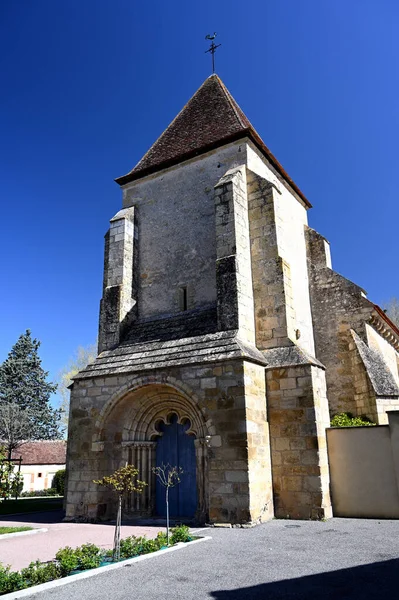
210, 119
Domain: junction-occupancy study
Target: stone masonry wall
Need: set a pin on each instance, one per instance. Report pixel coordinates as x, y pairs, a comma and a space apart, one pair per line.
338, 305
235, 302
289, 219
176, 229
364, 396
298, 416
120, 279
230, 400
258, 440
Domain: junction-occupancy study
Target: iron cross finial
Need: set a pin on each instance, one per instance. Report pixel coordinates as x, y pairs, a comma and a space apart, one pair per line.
212, 49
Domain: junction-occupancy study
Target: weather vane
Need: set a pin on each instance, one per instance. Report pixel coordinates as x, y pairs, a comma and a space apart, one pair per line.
212, 49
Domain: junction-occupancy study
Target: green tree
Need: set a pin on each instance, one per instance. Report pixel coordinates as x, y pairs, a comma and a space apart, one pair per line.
82, 357
15, 426
23, 383
11, 481
59, 482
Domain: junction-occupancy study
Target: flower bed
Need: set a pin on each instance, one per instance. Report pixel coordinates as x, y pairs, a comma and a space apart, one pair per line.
70, 561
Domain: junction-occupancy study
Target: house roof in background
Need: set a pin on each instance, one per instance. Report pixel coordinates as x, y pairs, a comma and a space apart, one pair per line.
44, 452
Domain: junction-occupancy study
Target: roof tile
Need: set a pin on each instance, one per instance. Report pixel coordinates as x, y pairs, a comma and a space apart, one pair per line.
210, 119
44, 452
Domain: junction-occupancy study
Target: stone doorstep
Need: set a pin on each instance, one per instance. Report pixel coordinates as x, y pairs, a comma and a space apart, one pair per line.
35, 589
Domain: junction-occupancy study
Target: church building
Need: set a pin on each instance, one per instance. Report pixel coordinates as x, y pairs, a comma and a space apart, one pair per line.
226, 339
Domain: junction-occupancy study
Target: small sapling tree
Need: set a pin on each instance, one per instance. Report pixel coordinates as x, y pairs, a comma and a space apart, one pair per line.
11, 481
168, 477
122, 482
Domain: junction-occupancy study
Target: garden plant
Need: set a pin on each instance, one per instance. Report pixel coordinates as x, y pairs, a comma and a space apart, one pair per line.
122, 482
69, 561
168, 477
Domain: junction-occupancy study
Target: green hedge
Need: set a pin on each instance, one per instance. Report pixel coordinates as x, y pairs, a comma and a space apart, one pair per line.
348, 420
40, 493
70, 560
59, 482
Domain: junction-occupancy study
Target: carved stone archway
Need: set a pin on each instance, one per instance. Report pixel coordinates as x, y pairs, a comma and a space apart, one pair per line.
128, 428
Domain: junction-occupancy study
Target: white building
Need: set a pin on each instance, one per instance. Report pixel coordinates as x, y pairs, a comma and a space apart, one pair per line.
40, 461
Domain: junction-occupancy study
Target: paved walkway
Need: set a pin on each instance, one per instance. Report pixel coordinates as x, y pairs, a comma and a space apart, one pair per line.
21, 550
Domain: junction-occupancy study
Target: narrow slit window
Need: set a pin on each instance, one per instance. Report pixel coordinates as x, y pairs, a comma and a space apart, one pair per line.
183, 298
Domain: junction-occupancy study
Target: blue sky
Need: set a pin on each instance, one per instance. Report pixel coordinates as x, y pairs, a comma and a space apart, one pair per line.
87, 87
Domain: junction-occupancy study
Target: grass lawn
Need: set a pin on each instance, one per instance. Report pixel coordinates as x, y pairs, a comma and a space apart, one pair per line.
29, 505
14, 529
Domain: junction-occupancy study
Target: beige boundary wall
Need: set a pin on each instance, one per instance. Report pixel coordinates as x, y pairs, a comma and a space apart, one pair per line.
364, 470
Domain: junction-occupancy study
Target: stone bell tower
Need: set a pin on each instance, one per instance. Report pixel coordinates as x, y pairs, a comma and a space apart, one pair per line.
206, 335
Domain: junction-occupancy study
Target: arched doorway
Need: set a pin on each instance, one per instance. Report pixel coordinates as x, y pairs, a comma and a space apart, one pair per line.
131, 428
175, 448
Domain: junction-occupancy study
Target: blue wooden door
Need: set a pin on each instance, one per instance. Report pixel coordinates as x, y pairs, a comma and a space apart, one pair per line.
176, 448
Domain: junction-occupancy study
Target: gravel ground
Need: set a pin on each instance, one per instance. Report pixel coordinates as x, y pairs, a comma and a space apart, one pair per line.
340, 558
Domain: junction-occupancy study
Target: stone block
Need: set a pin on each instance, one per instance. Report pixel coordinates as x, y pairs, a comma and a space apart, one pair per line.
237, 476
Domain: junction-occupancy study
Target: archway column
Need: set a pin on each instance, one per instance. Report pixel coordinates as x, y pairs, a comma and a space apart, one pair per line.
142, 456
201, 453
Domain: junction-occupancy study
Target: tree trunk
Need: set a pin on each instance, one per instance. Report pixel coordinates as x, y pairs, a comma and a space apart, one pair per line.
167, 515
117, 537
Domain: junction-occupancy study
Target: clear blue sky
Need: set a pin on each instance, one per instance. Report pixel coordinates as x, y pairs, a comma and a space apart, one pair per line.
88, 85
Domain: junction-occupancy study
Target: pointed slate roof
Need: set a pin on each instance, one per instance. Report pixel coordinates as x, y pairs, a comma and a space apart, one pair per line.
212, 118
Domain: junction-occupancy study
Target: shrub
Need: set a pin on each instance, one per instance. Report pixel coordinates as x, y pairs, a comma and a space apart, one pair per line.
161, 539
131, 546
10, 581
67, 560
40, 493
39, 572
149, 546
348, 420
59, 482
89, 556
134, 546
181, 533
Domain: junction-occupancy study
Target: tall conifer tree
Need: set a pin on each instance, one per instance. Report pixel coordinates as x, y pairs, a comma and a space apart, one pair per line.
23, 383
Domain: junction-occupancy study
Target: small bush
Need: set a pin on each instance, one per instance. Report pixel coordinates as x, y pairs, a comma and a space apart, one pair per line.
89, 556
131, 546
40, 493
67, 560
149, 546
348, 420
134, 546
181, 533
39, 572
59, 482
10, 581
161, 539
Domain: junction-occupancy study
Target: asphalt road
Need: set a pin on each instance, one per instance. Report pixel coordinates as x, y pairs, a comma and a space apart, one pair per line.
340, 558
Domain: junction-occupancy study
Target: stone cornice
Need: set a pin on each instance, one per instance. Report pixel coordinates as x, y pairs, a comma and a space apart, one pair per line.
385, 327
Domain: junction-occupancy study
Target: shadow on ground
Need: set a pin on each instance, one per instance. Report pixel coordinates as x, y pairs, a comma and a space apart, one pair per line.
51, 516
366, 582
57, 516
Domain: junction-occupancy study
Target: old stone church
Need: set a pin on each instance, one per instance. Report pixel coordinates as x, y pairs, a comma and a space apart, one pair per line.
226, 339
